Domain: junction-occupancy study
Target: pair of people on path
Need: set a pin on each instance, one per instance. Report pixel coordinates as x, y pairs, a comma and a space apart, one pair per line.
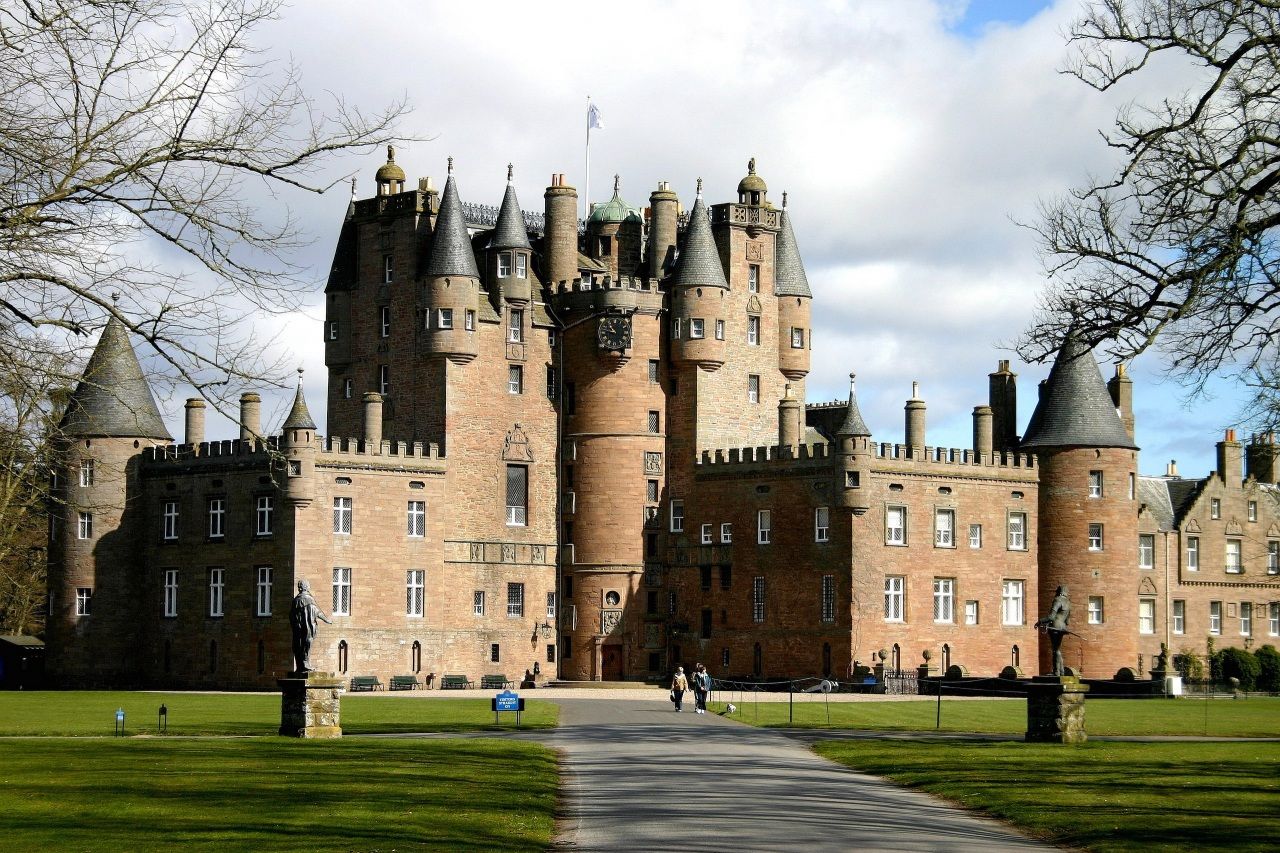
701, 687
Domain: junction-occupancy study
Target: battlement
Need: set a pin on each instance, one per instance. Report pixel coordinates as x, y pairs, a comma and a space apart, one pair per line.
335, 446
956, 456
759, 459
606, 281
214, 450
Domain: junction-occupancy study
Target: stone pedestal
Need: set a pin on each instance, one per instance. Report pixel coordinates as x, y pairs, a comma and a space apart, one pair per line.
309, 705
1055, 709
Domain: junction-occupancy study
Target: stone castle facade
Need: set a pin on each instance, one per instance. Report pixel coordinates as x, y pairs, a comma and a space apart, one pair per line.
586, 446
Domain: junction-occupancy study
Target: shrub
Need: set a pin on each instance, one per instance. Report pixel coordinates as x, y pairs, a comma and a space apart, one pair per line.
1237, 663
1268, 669
1189, 664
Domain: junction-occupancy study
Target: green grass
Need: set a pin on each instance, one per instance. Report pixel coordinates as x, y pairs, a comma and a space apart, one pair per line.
1105, 797
1254, 717
276, 794
93, 713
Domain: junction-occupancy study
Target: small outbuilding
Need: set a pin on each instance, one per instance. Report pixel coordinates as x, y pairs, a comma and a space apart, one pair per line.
21, 662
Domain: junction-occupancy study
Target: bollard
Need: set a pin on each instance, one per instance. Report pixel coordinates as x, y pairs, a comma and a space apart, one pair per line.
119, 730
162, 720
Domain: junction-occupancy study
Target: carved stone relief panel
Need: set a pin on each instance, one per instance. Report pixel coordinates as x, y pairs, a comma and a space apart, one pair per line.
609, 621
652, 462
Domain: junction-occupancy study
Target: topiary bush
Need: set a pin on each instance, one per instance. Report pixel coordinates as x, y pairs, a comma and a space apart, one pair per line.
1268, 669
1237, 663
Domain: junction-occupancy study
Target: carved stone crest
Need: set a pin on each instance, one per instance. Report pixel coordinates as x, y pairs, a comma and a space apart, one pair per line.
1147, 587
753, 305
508, 553
515, 351
652, 462
515, 448
1234, 528
477, 552
609, 621
538, 553
755, 251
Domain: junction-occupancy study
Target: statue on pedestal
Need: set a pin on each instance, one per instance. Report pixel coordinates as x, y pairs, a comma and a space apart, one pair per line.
303, 618
1056, 626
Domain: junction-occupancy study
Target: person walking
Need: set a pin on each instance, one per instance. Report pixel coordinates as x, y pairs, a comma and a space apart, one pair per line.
679, 684
701, 687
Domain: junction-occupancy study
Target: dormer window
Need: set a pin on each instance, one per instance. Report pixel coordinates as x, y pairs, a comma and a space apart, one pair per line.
522, 266
504, 264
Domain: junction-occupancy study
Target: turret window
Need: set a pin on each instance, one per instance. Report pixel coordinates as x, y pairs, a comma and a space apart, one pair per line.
515, 325
719, 330
333, 330
504, 264
470, 319
86, 472
84, 601
444, 318
1095, 537
753, 331
753, 278
675, 329
522, 266
697, 328
1095, 484
348, 388
85, 528
797, 338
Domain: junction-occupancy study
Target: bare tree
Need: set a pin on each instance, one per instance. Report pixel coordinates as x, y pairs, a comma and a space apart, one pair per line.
1177, 251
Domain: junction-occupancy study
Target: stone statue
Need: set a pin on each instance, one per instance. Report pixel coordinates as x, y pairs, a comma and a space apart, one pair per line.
1056, 626
1162, 660
302, 619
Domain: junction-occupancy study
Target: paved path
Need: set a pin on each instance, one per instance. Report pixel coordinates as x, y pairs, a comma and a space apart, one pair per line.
640, 777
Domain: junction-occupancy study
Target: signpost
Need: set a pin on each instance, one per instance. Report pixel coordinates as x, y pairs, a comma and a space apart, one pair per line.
507, 700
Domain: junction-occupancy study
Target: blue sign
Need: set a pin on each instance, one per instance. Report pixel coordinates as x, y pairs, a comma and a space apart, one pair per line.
506, 701
120, 715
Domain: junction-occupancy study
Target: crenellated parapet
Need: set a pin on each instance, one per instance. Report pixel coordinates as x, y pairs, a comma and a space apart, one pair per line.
953, 456
765, 460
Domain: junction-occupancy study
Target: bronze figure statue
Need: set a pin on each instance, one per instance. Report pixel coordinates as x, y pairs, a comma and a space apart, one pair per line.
302, 619
1056, 626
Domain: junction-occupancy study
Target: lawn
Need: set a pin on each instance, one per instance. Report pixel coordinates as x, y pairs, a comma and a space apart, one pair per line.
1253, 717
1096, 796
93, 713
276, 794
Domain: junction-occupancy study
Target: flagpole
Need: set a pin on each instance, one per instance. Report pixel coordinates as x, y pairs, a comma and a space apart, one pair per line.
586, 180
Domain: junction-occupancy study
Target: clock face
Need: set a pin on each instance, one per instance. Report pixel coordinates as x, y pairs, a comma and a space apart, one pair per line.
614, 333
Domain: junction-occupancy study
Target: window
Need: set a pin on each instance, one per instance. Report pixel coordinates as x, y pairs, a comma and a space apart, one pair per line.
170, 520
944, 600
415, 582
384, 321
517, 496
515, 325
515, 599
651, 491
263, 515
975, 535
971, 612
444, 318
570, 398
1215, 617
1011, 602
653, 371
1253, 510
753, 278
522, 265
895, 587
262, 592
764, 527
719, 330
342, 516
170, 593
495, 653
217, 585
1246, 618
477, 602
384, 379
1095, 610
1179, 615
706, 534
333, 330
677, 516
797, 338
1233, 557
1133, 485
469, 319
348, 388
1146, 615
726, 576
1017, 531
1273, 619
753, 331
416, 523
341, 592
821, 524
704, 576
504, 264
697, 328
1273, 557
388, 268
1146, 550
84, 601
757, 599
551, 605
217, 517
944, 527
895, 525
1095, 484
515, 379
1193, 553
726, 533
753, 388
653, 422
85, 528
86, 472
1215, 508
828, 598
1095, 537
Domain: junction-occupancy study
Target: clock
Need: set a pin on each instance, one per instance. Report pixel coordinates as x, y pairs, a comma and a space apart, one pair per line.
614, 332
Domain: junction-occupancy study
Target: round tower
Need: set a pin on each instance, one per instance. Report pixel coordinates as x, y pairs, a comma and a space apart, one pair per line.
509, 255
561, 243
698, 303
853, 461
300, 443
615, 234
795, 329
665, 211
1088, 513
452, 283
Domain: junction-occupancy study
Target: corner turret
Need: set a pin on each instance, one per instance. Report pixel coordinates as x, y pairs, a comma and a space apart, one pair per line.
452, 291
853, 460
299, 444
698, 298
510, 259
791, 286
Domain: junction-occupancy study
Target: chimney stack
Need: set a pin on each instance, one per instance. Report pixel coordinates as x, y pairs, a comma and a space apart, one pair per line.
789, 419
250, 416
982, 439
195, 421
1230, 460
372, 422
915, 416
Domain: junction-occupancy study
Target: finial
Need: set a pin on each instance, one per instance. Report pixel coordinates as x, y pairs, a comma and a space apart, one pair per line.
699, 187
353, 189
115, 297
915, 390
510, 173
852, 377
617, 183
784, 199
450, 167
300, 371
391, 153
751, 166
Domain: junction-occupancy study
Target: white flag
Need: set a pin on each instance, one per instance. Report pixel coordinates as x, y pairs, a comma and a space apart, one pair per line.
593, 117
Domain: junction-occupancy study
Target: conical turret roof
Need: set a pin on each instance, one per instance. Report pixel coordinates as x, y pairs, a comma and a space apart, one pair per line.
699, 262
113, 398
342, 273
1075, 409
299, 415
451, 248
788, 276
853, 423
509, 231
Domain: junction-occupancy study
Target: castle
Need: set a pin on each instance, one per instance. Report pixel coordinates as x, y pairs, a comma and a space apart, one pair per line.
586, 446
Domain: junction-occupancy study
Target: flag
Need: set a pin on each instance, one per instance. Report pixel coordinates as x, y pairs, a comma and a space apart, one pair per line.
593, 117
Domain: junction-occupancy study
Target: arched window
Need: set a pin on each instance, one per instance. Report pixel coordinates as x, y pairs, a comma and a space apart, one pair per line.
1015, 656
757, 661
415, 658
826, 659
213, 656
342, 656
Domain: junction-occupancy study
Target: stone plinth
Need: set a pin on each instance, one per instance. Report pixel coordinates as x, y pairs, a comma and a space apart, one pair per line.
309, 705
1055, 709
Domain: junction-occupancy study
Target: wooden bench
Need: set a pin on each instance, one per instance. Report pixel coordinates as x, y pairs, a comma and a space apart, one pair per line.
405, 682
362, 683
455, 682
495, 682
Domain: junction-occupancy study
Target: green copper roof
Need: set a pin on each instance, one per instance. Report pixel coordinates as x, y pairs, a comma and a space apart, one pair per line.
615, 209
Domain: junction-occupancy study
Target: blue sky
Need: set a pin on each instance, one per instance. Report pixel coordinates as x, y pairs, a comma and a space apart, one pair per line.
978, 15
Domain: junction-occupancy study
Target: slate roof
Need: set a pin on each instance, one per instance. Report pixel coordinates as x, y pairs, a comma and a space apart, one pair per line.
853, 423
788, 272
113, 398
451, 247
299, 415
342, 273
699, 262
1154, 492
509, 231
1075, 409
1182, 494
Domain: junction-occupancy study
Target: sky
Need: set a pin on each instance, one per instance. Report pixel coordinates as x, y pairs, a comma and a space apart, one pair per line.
914, 139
